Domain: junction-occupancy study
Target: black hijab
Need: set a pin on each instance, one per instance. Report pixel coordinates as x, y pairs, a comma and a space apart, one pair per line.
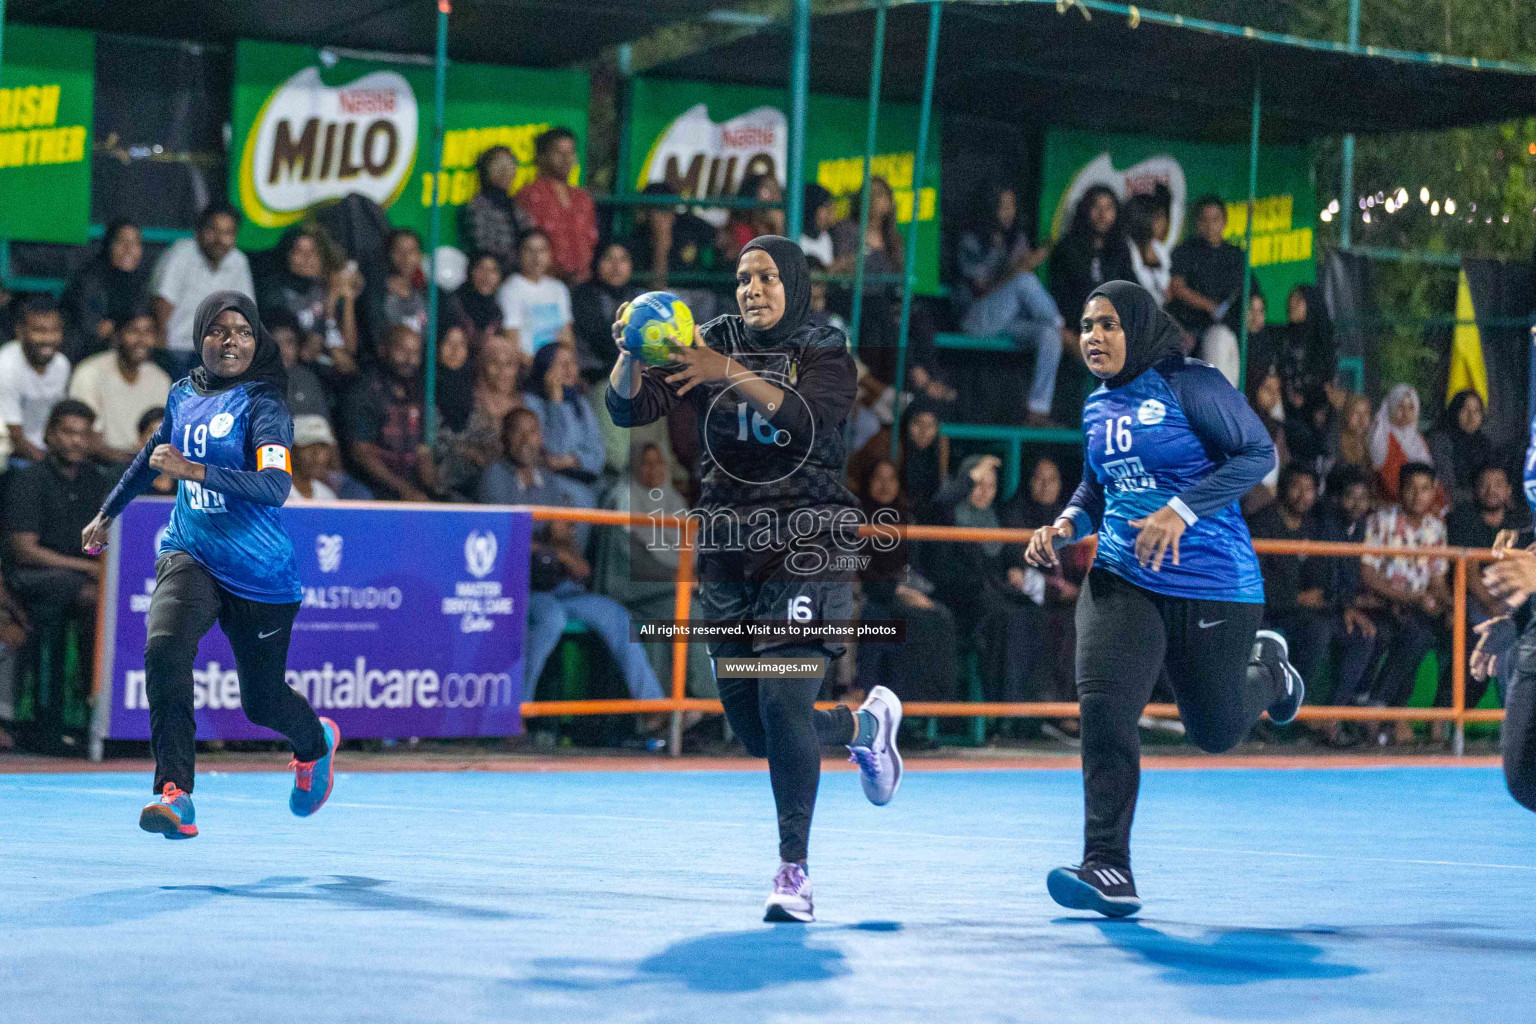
795, 273
1151, 335
455, 389
480, 310
125, 289
543, 359
1470, 452
266, 363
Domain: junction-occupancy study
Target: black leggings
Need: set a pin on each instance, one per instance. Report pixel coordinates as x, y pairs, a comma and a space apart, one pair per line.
186, 603
1519, 730
778, 719
1127, 638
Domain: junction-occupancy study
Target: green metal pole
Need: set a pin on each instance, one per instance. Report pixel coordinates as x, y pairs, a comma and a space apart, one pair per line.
1347, 171
434, 218
622, 185
799, 86
919, 159
1253, 195
869, 151
5, 243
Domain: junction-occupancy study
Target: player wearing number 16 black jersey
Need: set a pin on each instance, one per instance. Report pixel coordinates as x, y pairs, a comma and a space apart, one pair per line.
771, 393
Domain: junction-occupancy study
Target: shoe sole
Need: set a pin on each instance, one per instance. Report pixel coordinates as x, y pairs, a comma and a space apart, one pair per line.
162, 820
1075, 894
893, 728
330, 778
777, 913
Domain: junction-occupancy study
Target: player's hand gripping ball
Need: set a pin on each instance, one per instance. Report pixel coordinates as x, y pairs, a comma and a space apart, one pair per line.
653, 323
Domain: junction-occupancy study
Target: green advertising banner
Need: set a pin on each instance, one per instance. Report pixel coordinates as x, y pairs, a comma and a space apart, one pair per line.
1130, 164
46, 106
311, 127
709, 137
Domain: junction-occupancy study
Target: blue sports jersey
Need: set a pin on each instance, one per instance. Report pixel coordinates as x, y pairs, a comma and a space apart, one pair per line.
1530, 469
1178, 435
230, 522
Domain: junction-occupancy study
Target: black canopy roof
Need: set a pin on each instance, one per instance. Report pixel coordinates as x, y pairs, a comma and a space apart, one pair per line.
530, 33
1026, 60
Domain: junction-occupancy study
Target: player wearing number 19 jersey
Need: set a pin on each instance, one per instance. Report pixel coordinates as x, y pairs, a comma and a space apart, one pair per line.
1169, 448
224, 558
771, 393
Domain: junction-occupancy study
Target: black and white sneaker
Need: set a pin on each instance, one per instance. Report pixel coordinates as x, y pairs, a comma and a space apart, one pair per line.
1271, 650
1109, 890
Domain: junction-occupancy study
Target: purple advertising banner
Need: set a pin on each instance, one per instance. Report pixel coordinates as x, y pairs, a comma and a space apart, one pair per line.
413, 623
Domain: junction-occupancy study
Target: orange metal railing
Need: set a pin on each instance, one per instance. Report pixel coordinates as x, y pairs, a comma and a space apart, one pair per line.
1458, 713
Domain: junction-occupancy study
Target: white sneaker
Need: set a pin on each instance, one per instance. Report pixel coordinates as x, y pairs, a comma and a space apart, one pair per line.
790, 900
880, 762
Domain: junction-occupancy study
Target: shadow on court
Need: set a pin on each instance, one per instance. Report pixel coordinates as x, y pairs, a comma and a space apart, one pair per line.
352, 892
720, 963
1225, 956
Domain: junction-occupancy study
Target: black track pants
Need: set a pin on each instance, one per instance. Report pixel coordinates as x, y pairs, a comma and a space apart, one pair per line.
1520, 721
186, 603
778, 719
1126, 638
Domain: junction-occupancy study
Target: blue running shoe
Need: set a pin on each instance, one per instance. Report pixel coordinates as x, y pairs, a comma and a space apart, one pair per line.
172, 815
1271, 651
1109, 890
312, 780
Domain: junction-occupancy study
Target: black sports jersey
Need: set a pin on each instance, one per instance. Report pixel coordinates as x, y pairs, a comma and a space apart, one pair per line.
795, 458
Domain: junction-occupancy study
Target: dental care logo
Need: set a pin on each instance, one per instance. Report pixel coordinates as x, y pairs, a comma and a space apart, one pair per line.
312, 142
1151, 413
480, 553
221, 424
477, 602
328, 551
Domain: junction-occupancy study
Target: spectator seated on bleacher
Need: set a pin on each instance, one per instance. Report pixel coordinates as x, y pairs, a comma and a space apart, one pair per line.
595, 307
1413, 595
1205, 288
317, 472
1474, 524
638, 567
48, 506
121, 385
559, 574
191, 270
33, 377
1003, 296
1296, 587
491, 223
102, 293
405, 289
564, 212
384, 423
535, 304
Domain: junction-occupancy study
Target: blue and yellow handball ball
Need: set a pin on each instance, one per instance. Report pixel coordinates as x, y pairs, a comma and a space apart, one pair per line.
653, 323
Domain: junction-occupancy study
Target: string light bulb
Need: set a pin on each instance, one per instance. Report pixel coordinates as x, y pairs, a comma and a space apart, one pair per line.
1450, 205
1424, 194
1434, 208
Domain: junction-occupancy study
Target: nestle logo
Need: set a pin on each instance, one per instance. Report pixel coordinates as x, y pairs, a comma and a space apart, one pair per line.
367, 101
746, 136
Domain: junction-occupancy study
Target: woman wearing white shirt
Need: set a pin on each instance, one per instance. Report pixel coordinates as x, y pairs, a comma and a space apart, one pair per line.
1146, 225
535, 305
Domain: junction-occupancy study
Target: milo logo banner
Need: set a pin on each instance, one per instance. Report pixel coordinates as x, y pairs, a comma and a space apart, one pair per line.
707, 138
46, 107
311, 127
1131, 164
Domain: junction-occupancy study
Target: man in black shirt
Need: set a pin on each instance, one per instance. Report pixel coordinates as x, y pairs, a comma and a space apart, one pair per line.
1205, 287
50, 504
1296, 597
1475, 524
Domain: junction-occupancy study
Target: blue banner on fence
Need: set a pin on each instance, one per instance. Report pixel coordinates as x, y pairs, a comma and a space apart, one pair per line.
413, 623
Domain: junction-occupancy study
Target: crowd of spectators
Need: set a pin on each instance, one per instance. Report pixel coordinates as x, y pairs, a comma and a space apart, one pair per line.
524, 348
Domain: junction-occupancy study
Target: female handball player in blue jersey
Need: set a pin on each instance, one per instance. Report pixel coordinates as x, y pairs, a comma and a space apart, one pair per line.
796, 382
1169, 447
224, 558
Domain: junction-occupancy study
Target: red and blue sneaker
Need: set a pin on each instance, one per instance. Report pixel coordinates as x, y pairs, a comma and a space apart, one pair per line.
172, 815
312, 780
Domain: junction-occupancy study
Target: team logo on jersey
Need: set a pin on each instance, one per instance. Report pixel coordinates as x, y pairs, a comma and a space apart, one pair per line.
480, 553
328, 551
221, 424
1151, 413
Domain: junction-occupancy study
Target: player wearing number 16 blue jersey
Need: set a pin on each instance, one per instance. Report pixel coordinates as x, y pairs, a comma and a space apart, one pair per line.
224, 558
1169, 448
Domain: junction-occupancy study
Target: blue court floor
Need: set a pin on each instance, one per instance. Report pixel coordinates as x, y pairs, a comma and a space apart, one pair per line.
1395, 894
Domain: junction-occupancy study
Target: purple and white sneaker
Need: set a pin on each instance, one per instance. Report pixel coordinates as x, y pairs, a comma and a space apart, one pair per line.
790, 900
878, 759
